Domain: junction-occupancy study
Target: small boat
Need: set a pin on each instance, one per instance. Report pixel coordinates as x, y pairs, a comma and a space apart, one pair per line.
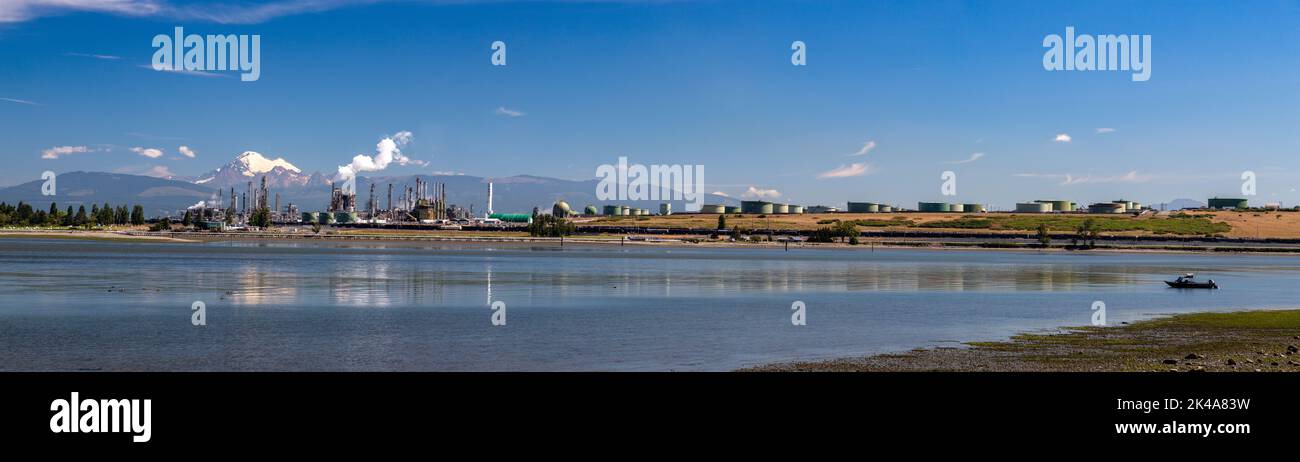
1186, 282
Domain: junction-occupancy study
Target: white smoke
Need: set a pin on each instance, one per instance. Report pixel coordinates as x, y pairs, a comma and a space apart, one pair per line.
200, 204
388, 150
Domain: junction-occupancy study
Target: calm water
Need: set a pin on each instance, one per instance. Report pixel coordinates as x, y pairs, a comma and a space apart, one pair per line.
73, 305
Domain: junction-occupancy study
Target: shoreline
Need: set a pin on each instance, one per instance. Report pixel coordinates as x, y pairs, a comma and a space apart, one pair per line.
450, 237
1241, 341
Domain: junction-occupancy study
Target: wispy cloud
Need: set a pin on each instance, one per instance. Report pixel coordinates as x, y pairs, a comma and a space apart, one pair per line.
207, 11
93, 55
152, 153
1063, 138
1105, 130
20, 101
845, 171
866, 148
755, 193
720, 193
58, 151
184, 71
187, 152
1067, 179
507, 112
973, 157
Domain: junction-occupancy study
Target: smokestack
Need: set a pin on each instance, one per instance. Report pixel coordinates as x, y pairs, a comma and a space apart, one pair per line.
489, 209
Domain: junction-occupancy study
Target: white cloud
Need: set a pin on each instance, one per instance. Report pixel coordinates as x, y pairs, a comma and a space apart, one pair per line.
866, 148
207, 11
152, 153
845, 171
1069, 179
507, 112
187, 152
55, 152
720, 193
19, 101
1063, 138
973, 157
387, 151
755, 193
184, 71
1105, 130
23, 10
159, 171
94, 55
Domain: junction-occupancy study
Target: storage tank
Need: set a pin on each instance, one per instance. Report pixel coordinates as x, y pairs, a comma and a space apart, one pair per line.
1033, 207
1107, 207
796, 209
665, 209
346, 217
1059, 206
933, 207
589, 210
973, 208
310, 217
713, 208
781, 208
624, 210
733, 209
956, 208
863, 207
761, 207
325, 218
886, 208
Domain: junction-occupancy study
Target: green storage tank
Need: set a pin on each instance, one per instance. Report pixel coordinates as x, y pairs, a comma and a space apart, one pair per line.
973, 208
310, 217
733, 209
713, 208
1227, 203
863, 207
933, 207
325, 218
346, 217
760, 207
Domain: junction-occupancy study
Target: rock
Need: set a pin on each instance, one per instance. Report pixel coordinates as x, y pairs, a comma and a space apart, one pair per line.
1230, 362
1173, 370
1274, 364
1259, 370
1193, 356
1249, 361
1292, 349
1198, 369
1260, 353
1171, 361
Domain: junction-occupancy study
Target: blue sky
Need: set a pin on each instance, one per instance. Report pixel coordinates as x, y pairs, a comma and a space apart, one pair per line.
930, 83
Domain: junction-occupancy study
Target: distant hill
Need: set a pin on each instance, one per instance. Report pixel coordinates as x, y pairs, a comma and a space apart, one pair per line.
1178, 204
157, 195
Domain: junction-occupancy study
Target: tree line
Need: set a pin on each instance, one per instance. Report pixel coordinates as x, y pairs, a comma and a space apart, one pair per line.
24, 214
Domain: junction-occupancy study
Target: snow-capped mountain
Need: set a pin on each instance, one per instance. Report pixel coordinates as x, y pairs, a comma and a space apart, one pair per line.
250, 166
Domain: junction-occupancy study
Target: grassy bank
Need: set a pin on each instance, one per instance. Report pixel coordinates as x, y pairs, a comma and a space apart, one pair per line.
1249, 341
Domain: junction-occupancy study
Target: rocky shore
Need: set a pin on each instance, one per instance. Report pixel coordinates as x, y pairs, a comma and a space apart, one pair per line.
1248, 341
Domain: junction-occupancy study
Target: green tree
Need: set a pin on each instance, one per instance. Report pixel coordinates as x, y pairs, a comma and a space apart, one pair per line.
550, 226
1087, 232
67, 219
121, 216
1044, 238
81, 219
188, 219
846, 230
722, 221
137, 215
260, 218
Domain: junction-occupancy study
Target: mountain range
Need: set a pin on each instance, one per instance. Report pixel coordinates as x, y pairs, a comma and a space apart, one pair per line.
309, 191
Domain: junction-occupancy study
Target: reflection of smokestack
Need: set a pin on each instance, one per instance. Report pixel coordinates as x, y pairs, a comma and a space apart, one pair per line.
489, 209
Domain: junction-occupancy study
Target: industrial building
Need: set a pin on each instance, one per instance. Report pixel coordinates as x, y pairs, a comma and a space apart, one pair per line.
1227, 203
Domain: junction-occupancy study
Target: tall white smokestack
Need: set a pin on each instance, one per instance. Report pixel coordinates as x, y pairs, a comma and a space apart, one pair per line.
489, 209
